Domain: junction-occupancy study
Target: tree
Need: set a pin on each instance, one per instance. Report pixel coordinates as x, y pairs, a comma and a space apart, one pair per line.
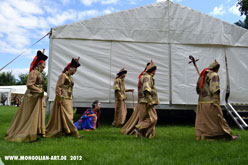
243, 8
7, 78
23, 79
240, 23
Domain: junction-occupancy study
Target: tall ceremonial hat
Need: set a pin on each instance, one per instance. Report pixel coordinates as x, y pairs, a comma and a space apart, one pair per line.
73, 64
151, 67
39, 58
122, 71
213, 65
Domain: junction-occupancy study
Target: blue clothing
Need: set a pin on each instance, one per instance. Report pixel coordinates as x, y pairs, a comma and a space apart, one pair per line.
87, 121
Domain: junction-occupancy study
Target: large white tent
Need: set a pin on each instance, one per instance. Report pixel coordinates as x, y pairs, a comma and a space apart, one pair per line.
165, 32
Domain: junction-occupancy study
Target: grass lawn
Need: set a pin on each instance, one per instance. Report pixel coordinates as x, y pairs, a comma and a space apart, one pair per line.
173, 144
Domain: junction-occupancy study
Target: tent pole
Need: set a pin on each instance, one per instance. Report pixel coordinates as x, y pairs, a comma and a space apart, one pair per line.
170, 66
227, 78
170, 75
110, 69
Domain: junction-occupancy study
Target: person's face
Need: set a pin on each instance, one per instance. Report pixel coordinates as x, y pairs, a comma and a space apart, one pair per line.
72, 71
123, 75
153, 72
98, 106
42, 66
217, 69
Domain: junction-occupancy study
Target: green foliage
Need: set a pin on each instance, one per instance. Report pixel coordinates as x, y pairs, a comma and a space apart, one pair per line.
240, 23
23, 79
243, 8
172, 145
243, 24
7, 78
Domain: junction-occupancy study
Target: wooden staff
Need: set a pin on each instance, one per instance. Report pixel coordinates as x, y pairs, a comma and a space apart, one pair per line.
131, 90
192, 60
133, 100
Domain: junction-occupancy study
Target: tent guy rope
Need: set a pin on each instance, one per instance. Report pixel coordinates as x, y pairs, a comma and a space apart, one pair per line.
24, 51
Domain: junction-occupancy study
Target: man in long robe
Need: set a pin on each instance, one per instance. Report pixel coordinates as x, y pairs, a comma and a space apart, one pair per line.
120, 99
148, 99
210, 123
128, 128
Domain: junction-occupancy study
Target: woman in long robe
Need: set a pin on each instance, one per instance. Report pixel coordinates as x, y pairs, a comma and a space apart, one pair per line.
29, 120
61, 119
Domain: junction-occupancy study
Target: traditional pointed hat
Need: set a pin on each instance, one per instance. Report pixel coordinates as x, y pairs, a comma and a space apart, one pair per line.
122, 71
213, 65
39, 58
151, 67
73, 64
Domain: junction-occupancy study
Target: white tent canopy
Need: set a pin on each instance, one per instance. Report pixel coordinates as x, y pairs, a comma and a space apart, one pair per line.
8, 90
165, 32
15, 89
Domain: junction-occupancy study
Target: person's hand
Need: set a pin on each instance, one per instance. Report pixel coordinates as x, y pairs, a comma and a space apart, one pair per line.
41, 94
59, 99
122, 98
130, 90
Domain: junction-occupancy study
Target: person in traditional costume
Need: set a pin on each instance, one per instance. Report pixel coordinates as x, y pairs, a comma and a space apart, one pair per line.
3, 99
90, 119
147, 100
61, 118
210, 123
128, 128
120, 99
17, 100
29, 120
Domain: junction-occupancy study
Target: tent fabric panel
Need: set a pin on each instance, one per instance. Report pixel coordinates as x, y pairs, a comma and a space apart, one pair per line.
144, 24
134, 57
95, 68
184, 75
162, 22
237, 60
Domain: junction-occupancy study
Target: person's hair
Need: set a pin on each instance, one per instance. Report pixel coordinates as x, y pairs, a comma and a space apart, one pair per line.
95, 103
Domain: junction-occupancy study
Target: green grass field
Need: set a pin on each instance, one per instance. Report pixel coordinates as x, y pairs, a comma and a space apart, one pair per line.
172, 145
